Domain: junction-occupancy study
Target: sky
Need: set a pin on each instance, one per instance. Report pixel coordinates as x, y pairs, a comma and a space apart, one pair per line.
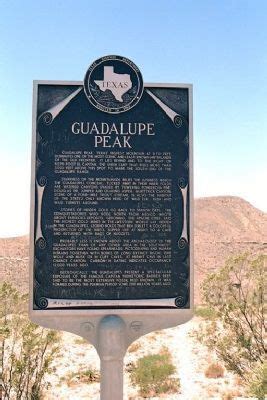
218, 46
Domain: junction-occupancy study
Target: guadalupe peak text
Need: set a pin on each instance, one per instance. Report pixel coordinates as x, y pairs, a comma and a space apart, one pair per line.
104, 132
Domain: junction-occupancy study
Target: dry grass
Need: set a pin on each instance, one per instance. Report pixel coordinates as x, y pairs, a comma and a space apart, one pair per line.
81, 341
82, 376
214, 371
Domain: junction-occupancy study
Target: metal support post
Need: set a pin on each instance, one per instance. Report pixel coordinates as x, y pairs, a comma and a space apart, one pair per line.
111, 347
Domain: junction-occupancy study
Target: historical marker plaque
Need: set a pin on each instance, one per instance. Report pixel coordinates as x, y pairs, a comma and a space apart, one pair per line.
112, 189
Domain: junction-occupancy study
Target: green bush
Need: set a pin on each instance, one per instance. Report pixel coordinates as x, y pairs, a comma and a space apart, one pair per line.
236, 294
153, 374
27, 350
257, 381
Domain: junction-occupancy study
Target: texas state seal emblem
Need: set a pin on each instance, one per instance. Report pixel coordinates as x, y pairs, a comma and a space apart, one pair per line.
113, 84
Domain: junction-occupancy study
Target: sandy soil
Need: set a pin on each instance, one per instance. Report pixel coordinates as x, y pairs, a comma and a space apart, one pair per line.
189, 357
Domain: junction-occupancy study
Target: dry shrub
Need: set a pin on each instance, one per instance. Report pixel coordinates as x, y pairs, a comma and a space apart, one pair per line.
214, 371
134, 347
236, 294
27, 351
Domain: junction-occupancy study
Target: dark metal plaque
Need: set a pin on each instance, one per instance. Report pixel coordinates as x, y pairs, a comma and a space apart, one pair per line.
112, 199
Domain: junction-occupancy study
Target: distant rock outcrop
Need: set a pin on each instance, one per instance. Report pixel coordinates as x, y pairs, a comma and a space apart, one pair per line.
224, 226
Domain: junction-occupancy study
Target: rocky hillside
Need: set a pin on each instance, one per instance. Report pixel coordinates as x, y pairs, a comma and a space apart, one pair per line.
14, 261
224, 226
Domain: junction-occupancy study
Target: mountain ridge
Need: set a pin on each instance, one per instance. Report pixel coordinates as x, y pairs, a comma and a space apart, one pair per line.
223, 226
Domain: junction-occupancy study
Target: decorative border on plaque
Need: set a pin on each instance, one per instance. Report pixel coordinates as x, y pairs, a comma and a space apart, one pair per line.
39, 237
176, 118
181, 301
48, 116
42, 303
66, 303
183, 240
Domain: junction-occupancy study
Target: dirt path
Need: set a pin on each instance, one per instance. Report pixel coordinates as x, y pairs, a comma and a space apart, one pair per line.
186, 360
